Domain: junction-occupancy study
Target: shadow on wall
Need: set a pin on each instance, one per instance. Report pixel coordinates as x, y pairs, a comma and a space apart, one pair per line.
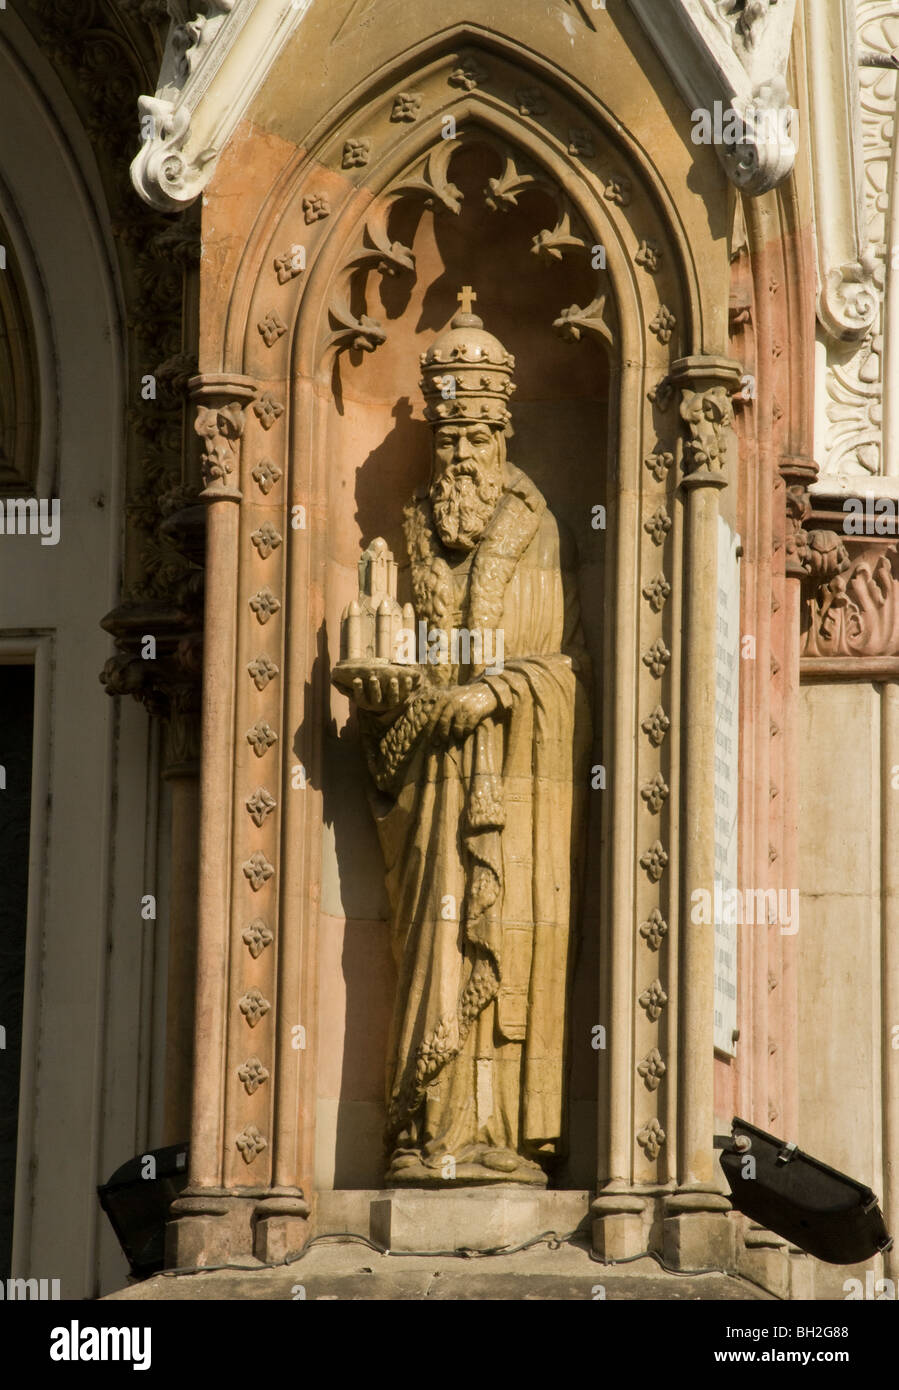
378, 447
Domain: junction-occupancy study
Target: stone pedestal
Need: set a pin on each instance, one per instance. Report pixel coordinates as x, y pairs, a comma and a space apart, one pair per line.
697, 1232
281, 1225
206, 1228
764, 1259
486, 1218
618, 1226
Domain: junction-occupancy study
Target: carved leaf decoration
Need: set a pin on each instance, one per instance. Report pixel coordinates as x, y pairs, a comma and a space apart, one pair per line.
254, 1006
252, 1074
260, 805
651, 1138
653, 1000
654, 929
574, 322
379, 252
266, 473
652, 1069
654, 861
250, 1143
655, 793
433, 182
655, 726
257, 936
257, 870
364, 334
550, 246
503, 193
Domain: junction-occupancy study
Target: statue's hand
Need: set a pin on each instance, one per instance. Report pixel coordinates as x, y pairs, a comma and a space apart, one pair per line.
382, 688
465, 707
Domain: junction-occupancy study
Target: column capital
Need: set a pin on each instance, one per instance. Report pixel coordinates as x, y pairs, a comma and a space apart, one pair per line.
221, 399
708, 386
705, 371
221, 386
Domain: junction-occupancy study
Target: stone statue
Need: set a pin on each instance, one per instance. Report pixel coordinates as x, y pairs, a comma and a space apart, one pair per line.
474, 710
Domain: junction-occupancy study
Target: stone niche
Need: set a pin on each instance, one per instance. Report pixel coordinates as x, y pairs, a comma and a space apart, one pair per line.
345, 246
377, 446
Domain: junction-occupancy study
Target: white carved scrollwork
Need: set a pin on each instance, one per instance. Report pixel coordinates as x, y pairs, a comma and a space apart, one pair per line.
731, 56
175, 161
853, 108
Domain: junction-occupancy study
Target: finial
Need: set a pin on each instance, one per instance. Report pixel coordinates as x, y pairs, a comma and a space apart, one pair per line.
465, 317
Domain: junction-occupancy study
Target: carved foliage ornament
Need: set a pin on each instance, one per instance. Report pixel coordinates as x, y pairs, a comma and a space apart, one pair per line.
267, 410
271, 327
651, 1138
264, 605
252, 1075
654, 861
172, 168
852, 608
709, 417
652, 1069
219, 428
250, 1143
266, 474
657, 593
254, 1006
653, 1000
266, 539
257, 871
732, 55
654, 929
262, 670
256, 937
657, 657
655, 726
260, 805
261, 737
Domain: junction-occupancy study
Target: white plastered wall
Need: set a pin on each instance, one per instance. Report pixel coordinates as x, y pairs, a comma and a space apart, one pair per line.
92, 1040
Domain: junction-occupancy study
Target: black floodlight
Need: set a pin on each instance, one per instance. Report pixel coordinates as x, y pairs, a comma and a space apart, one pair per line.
137, 1199
787, 1191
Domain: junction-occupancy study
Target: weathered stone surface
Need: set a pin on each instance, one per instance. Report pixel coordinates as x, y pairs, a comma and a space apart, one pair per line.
473, 1218
353, 1272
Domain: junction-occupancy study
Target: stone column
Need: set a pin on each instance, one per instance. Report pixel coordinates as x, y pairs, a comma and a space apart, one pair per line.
695, 1231
202, 1219
798, 473
182, 774
890, 966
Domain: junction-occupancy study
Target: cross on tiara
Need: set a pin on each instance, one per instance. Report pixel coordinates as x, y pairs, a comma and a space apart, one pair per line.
466, 298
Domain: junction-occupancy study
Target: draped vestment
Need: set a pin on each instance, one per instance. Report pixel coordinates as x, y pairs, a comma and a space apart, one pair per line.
481, 841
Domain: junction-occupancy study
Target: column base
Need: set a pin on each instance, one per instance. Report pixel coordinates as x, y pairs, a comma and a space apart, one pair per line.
619, 1229
697, 1232
765, 1260
281, 1225
208, 1228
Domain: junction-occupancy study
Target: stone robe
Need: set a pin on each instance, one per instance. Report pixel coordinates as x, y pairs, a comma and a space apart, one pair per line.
480, 837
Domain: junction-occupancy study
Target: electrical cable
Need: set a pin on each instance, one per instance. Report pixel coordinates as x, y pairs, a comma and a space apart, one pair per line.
551, 1238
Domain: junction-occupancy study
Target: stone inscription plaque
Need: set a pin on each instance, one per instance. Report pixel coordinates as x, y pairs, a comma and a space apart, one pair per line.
727, 748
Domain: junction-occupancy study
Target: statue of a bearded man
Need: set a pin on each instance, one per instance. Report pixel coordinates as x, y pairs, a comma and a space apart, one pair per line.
479, 767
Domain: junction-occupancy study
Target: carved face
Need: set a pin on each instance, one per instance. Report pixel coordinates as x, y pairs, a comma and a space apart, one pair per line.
458, 443
468, 466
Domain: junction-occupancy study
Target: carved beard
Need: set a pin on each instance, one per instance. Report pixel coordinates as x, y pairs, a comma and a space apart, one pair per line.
463, 500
